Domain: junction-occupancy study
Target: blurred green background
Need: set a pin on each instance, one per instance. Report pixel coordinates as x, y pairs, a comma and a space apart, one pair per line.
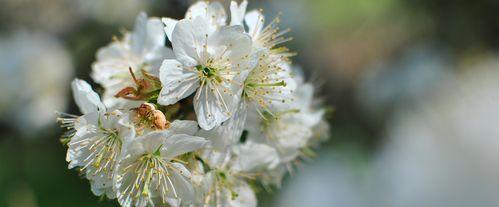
415, 85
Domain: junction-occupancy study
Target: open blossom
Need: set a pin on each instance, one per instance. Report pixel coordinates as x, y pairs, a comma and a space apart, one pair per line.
148, 174
142, 143
223, 137
270, 84
288, 130
267, 35
96, 143
213, 63
142, 49
96, 148
226, 183
87, 101
213, 12
223, 189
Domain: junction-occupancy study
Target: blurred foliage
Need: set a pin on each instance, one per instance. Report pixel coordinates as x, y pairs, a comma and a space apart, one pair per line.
344, 14
462, 24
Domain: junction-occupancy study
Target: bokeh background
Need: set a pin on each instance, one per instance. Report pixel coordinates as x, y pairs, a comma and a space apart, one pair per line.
415, 85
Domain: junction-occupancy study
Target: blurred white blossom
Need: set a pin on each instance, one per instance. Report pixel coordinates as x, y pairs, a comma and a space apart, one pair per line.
35, 70
443, 151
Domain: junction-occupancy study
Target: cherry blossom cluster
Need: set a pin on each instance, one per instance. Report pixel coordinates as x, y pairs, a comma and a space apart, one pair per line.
203, 123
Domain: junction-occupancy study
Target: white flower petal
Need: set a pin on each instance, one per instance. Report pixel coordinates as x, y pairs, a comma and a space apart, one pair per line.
214, 12
169, 26
237, 12
303, 97
254, 156
148, 143
179, 144
214, 158
275, 176
147, 35
181, 180
214, 105
87, 100
112, 60
237, 121
229, 132
102, 187
198, 9
255, 22
184, 127
115, 50
245, 196
188, 38
178, 82
155, 58
232, 44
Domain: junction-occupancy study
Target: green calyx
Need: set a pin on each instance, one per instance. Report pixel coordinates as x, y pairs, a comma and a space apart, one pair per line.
222, 175
207, 71
158, 151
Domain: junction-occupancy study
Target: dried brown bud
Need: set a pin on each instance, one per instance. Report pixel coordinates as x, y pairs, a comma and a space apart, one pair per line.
159, 120
144, 109
144, 87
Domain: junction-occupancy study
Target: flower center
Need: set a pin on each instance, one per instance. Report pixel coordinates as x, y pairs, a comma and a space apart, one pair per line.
149, 175
105, 149
264, 92
209, 73
222, 183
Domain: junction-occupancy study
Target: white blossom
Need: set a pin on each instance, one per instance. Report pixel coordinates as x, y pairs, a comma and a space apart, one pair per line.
35, 69
288, 130
149, 174
213, 63
226, 183
213, 12
269, 85
267, 36
96, 148
142, 49
223, 137
97, 137
88, 101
